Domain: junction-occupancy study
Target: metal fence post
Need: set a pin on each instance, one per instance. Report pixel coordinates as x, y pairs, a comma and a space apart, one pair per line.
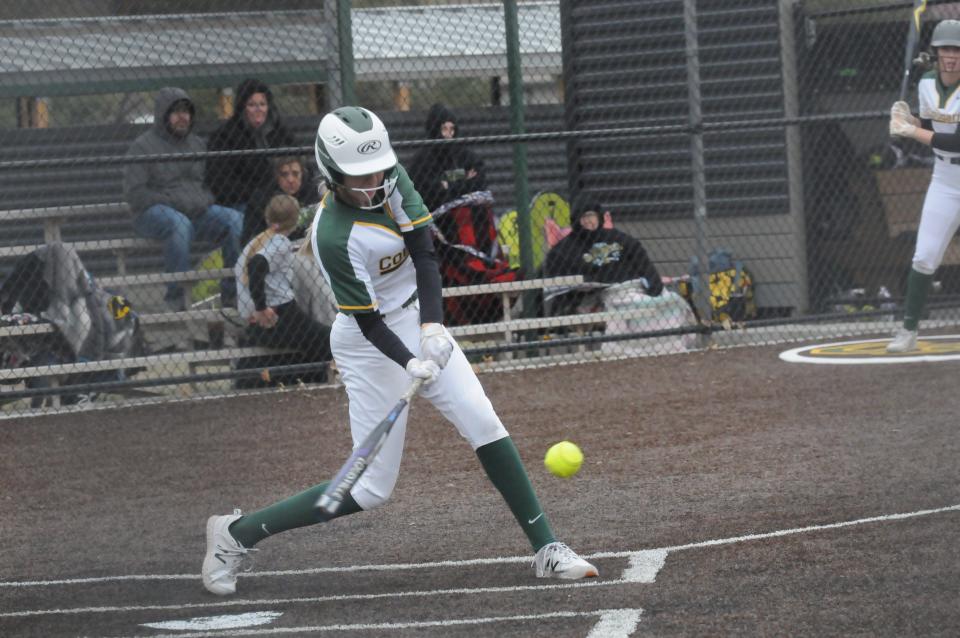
697, 169
520, 187
345, 53
791, 109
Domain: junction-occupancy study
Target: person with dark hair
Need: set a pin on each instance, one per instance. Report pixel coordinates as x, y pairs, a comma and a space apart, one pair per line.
169, 199
443, 172
600, 254
290, 177
255, 124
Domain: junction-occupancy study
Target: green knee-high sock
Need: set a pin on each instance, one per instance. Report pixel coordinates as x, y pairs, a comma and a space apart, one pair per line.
502, 463
297, 511
918, 286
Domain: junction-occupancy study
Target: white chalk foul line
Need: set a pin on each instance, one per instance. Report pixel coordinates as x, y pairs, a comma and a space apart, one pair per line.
883, 518
614, 623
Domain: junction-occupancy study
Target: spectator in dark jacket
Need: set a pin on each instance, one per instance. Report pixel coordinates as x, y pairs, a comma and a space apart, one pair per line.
169, 199
604, 255
601, 255
445, 171
290, 177
255, 124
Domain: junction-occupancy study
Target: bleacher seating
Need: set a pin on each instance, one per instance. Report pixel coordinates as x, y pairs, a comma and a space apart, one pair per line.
82, 204
88, 183
502, 331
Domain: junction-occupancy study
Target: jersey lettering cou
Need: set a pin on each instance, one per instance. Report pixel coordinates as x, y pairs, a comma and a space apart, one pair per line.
361, 252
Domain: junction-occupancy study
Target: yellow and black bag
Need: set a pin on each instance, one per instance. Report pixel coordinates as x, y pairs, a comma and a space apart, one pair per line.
731, 287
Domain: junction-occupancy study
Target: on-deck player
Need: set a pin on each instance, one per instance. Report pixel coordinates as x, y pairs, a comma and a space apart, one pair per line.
936, 127
372, 241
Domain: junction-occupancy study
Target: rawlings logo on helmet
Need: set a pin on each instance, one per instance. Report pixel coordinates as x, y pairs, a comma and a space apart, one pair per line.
369, 147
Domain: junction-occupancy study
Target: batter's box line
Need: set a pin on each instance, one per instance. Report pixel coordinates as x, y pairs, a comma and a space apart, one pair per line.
640, 559
612, 623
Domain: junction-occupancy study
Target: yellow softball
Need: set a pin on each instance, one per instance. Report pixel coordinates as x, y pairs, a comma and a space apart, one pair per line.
563, 459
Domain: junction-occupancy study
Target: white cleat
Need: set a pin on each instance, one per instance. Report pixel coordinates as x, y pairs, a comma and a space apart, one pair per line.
225, 556
556, 560
903, 341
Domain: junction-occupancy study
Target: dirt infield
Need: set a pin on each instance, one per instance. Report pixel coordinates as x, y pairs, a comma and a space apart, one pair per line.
759, 497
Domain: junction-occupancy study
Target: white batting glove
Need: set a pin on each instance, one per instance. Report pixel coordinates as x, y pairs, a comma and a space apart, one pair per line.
901, 126
435, 343
902, 109
427, 370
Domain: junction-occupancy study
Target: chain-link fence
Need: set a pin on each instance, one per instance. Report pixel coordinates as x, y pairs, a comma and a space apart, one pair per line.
607, 178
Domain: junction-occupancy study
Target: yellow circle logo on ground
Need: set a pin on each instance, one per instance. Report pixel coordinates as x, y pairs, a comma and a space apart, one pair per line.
935, 348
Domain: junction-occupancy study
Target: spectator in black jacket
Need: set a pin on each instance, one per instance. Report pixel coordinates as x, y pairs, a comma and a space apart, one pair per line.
601, 255
445, 171
255, 124
290, 177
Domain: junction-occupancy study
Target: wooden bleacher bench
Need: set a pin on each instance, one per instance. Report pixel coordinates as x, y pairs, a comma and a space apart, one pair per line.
506, 328
502, 331
508, 291
548, 329
199, 314
171, 358
97, 245
54, 218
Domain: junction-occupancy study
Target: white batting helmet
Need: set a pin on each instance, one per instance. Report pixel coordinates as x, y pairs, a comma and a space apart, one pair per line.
946, 34
353, 141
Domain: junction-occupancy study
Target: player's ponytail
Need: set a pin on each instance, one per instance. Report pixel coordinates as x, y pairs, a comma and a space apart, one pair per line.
281, 215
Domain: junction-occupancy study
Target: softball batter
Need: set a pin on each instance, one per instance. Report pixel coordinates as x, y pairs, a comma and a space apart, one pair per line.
372, 241
936, 127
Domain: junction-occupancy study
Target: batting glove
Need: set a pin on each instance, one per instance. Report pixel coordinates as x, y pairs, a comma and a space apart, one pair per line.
902, 110
901, 127
427, 370
435, 344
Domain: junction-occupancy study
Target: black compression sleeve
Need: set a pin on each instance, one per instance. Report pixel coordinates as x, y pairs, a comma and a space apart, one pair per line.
949, 142
257, 270
429, 289
383, 338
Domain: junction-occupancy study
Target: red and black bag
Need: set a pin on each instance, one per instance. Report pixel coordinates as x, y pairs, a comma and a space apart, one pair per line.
469, 254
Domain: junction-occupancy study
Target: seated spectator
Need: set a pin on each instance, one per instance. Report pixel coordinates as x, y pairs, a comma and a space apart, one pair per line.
289, 178
255, 124
169, 199
444, 172
265, 296
601, 255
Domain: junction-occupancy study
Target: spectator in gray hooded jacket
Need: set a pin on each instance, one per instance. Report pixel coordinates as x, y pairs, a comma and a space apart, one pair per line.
169, 200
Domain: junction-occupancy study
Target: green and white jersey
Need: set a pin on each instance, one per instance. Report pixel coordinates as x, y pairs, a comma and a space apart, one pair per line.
940, 104
361, 252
